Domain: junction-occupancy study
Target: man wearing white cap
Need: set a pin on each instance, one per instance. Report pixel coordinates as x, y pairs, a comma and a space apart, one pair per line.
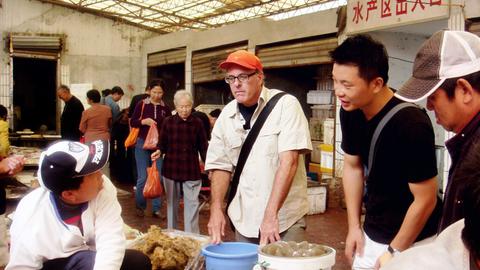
446, 72
73, 220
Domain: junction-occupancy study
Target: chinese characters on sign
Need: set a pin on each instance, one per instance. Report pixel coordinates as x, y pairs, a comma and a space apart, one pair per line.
364, 15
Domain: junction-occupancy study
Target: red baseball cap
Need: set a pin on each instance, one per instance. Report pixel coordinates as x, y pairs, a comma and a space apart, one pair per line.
244, 59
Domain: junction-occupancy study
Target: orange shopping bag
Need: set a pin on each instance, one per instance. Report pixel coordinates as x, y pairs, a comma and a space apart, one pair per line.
153, 187
132, 137
151, 140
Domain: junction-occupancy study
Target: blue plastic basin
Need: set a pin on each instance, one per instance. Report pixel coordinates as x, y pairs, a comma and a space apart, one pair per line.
231, 256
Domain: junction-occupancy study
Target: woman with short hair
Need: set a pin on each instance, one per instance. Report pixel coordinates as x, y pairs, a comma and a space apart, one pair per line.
182, 139
96, 121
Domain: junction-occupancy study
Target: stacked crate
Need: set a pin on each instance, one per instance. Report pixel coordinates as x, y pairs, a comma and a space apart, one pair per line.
321, 132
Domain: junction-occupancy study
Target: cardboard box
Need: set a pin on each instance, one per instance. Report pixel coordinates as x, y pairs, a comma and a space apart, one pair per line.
317, 199
315, 168
328, 131
326, 158
316, 128
315, 155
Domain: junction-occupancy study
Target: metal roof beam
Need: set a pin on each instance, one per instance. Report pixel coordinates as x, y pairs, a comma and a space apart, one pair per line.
102, 14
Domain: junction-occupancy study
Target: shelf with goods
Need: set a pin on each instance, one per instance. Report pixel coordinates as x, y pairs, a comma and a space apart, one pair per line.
322, 127
322, 132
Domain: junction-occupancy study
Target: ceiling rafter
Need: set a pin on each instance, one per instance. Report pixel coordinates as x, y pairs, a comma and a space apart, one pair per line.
102, 14
164, 16
168, 14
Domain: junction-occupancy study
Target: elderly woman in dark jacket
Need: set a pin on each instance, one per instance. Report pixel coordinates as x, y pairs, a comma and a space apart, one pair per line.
183, 138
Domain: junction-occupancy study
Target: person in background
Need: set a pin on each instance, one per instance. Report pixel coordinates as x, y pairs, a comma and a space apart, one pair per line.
457, 247
133, 103
105, 93
205, 121
75, 214
182, 140
8, 167
137, 98
96, 121
4, 141
71, 115
446, 72
121, 164
212, 116
271, 200
154, 112
400, 190
111, 100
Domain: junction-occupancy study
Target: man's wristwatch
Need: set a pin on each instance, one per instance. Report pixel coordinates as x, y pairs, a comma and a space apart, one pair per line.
393, 251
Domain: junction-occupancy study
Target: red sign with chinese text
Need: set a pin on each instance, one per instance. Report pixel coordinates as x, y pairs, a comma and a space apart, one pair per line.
369, 15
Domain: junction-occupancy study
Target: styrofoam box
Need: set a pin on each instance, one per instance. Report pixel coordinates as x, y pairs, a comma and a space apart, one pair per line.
322, 111
319, 97
326, 158
328, 130
317, 199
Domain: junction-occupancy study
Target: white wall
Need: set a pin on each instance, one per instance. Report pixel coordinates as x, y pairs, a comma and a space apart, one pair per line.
98, 50
472, 8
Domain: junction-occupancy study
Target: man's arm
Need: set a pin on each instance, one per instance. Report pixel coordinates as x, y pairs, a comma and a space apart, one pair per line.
83, 122
353, 188
220, 180
11, 165
424, 201
269, 229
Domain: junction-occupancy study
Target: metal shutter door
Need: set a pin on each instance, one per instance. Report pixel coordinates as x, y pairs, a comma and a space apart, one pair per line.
297, 53
205, 63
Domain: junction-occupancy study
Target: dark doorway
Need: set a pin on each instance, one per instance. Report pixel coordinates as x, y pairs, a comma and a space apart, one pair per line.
34, 93
296, 81
215, 92
174, 76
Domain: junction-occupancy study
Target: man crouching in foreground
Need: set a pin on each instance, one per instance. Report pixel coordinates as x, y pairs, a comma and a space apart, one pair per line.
73, 220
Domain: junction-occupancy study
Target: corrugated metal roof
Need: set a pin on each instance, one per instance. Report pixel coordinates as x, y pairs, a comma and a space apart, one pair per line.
167, 16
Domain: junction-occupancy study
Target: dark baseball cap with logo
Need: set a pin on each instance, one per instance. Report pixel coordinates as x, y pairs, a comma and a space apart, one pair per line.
66, 160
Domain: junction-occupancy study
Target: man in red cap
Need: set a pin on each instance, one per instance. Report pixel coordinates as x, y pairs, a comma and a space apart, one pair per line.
271, 199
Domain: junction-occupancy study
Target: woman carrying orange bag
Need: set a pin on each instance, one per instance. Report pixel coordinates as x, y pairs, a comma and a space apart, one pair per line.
154, 112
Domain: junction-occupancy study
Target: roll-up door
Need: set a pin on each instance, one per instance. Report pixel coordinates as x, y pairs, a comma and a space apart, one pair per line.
298, 53
173, 56
37, 46
475, 28
205, 63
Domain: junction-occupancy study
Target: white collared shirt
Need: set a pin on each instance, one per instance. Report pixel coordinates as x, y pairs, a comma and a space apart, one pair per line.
285, 129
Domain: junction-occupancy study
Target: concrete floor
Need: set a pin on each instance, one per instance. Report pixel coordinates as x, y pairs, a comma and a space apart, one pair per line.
329, 228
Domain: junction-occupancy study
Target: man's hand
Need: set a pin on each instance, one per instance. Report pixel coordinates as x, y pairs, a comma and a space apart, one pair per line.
269, 229
354, 243
216, 225
12, 164
383, 259
155, 155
